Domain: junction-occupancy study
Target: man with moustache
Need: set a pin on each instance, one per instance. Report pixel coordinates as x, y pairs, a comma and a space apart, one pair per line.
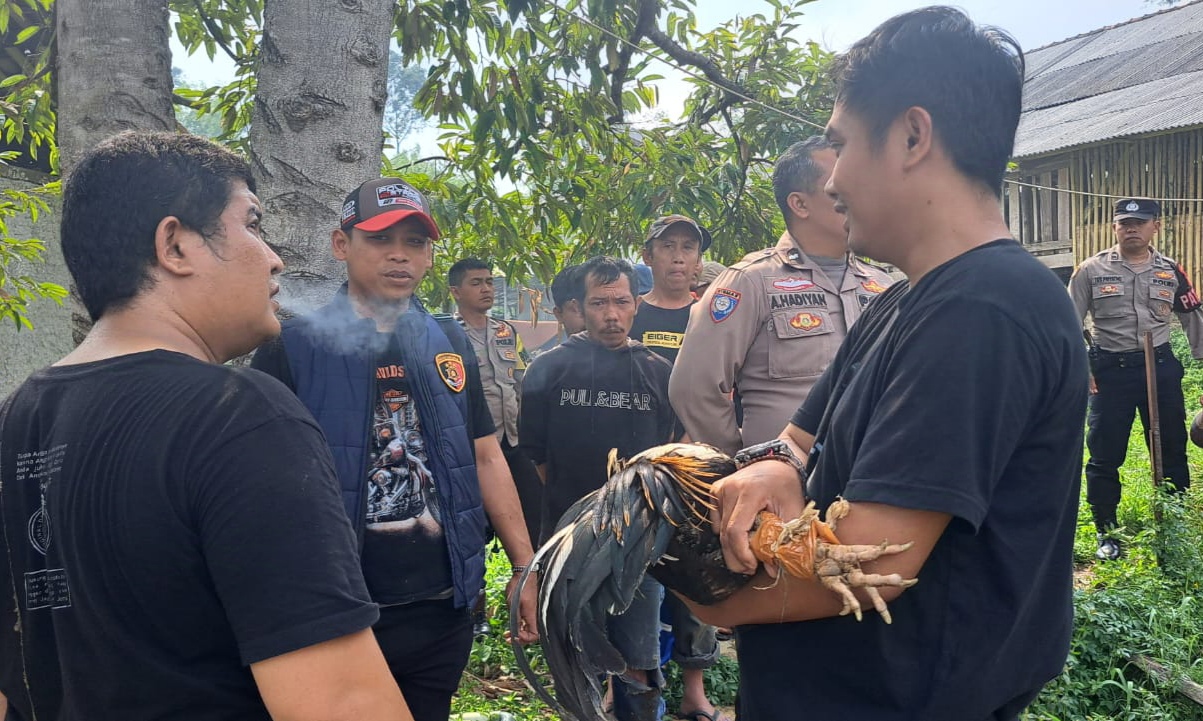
598, 391
673, 250
175, 543
397, 392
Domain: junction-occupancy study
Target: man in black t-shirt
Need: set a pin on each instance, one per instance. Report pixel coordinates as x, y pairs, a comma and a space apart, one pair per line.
596, 392
951, 417
397, 392
176, 547
673, 250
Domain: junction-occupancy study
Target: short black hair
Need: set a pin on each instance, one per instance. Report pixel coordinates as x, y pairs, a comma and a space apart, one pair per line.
118, 194
564, 286
455, 276
604, 269
796, 170
968, 78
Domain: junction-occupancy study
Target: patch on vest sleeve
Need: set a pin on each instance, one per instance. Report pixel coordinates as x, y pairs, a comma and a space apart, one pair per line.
451, 369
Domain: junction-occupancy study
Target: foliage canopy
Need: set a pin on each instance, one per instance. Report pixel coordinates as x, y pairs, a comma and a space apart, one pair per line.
552, 149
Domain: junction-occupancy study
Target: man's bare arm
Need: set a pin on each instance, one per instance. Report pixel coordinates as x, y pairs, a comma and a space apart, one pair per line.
794, 599
505, 513
344, 679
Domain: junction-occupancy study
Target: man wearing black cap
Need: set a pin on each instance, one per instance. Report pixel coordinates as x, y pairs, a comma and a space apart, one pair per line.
673, 251
397, 392
1130, 289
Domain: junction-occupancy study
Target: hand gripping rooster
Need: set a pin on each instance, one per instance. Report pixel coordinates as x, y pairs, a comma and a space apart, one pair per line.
652, 516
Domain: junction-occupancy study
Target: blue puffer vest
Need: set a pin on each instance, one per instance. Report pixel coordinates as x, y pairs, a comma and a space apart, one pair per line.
332, 359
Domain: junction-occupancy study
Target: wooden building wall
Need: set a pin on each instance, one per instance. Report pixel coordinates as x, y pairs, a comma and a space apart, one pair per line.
1160, 166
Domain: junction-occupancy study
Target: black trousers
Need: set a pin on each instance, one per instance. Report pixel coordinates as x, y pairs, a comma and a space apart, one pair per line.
1120, 378
529, 487
426, 645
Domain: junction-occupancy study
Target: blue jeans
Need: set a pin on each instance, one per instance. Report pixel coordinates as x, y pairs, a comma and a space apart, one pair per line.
636, 634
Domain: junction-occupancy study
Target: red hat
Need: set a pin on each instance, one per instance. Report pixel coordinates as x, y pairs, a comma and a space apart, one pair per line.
384, 202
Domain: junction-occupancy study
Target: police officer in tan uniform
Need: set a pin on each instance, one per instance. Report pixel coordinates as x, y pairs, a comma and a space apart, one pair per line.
768, 326
502, 361
1127, 290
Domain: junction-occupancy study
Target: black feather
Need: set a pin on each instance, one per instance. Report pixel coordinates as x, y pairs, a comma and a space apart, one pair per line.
604, 545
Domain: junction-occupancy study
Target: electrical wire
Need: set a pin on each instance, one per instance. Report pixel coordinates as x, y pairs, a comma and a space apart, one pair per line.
1097, 195
703, 79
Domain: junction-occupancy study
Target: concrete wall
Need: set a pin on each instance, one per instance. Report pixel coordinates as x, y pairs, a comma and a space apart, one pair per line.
24, 351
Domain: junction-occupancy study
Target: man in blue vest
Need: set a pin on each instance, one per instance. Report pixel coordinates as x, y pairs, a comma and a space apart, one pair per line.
397, 392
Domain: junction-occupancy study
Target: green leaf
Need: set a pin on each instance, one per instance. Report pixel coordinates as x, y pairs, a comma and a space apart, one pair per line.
27, 33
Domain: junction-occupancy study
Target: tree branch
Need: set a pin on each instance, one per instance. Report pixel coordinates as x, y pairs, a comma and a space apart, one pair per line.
728, 101
743, 154
699, 61
645, 21
12, 90
215, 32
419, 161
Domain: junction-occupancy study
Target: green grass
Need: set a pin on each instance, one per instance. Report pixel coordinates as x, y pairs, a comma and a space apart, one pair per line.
1150, 602
1147, 603
493, 682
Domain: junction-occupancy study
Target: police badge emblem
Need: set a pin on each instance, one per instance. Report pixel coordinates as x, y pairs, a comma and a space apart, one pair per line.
722, 305
451, 369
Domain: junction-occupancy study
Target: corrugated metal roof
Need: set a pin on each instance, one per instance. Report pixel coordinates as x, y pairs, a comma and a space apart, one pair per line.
1165, 59
1143, 76
1152, 107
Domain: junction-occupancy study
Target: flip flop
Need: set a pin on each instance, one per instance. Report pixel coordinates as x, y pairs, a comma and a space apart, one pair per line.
700, 715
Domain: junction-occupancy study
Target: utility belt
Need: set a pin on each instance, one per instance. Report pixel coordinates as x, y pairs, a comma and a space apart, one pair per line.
1104, 359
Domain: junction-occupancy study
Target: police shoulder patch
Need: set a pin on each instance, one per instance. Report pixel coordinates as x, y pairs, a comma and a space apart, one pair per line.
450, 367
723, 304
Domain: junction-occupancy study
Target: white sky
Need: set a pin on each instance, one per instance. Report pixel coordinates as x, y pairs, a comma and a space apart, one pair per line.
835, 24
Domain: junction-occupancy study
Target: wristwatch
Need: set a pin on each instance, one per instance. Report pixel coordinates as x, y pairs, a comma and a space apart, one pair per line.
774, 450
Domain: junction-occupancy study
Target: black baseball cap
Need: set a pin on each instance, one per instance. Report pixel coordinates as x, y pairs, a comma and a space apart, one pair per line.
384, 202
1143, 208
661, 225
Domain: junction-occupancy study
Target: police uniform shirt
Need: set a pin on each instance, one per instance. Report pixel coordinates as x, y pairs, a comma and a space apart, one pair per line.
768, 325
502, 361
1125, 301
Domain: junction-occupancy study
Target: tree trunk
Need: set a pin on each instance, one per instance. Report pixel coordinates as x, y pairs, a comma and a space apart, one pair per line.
113, 73
316, 129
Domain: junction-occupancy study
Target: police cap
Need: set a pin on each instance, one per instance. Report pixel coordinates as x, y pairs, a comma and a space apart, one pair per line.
1143, 208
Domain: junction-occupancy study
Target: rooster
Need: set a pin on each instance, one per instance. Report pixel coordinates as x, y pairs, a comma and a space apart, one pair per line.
652, 516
